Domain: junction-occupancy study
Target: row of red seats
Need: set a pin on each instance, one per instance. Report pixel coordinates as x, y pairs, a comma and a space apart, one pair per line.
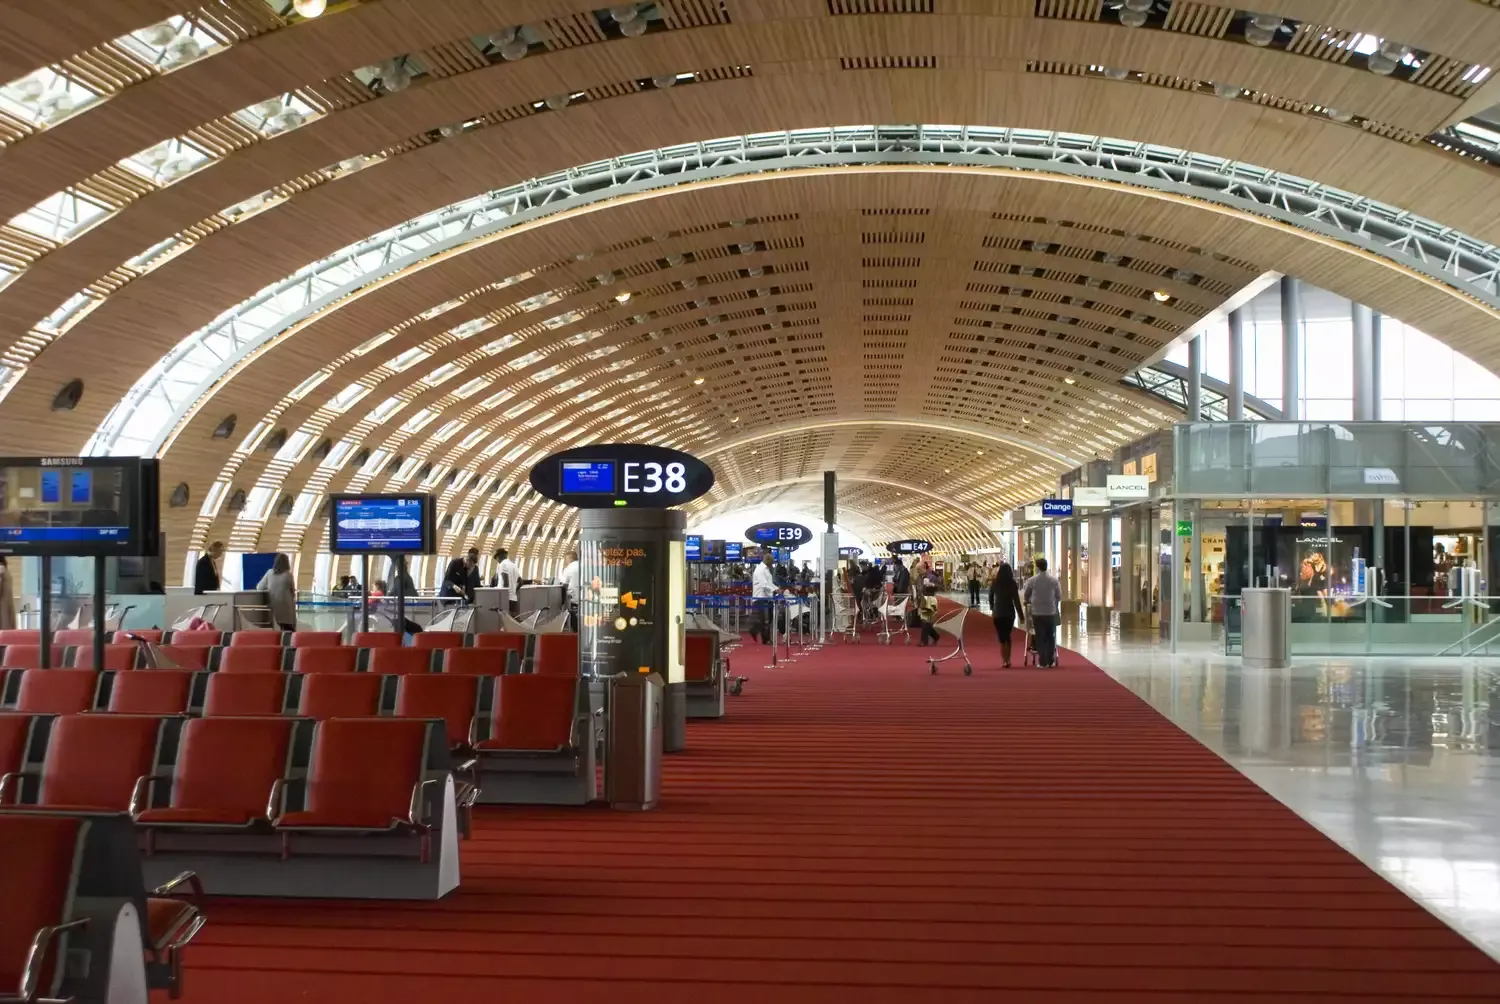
77, 910
292, 639
511, 712
262, 790
554, 653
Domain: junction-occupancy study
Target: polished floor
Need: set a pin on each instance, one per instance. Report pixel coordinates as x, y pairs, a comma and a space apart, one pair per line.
1396, 759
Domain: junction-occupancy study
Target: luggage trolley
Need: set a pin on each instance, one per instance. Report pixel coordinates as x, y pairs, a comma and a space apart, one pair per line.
895, 608
1031, 657
952, 625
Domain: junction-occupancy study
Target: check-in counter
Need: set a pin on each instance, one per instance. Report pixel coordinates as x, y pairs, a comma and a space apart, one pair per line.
488, 602
181, 601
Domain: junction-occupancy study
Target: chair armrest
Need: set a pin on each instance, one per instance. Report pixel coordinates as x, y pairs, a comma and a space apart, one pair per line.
141, 793
276, 801
189, 879
417, 816
7, 780
36, 957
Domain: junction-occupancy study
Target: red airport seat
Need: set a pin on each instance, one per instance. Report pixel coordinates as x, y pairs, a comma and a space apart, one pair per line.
454, 699
92, 763
15, 733
28, 656
340, 695
20, 636
476, 661
197, 638
151, 692
171, 922
41, 872
317, 639
257, 636
365, 775
240, 694
187, 656
698, 658
153, 635
439, 639
57, 691
399, 661
252, 659
73, 636
532, 713
117, 658
326, 660
515, 641
556, 654
226, 769
377, 639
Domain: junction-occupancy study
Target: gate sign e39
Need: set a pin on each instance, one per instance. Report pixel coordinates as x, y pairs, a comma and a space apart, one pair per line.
622, 474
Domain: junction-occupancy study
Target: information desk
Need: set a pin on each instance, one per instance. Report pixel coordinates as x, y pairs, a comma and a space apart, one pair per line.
180, 602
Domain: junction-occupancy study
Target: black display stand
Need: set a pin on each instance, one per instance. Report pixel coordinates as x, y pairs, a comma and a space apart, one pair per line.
608, 539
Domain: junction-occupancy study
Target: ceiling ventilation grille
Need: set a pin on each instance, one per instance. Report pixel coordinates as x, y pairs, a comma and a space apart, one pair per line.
889, 62
1070, 10
837, 7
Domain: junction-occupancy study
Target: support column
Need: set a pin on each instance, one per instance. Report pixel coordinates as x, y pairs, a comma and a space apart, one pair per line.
1363, 358
1375, 388
1195, 380
1291, 349
1236, 401
1195, 569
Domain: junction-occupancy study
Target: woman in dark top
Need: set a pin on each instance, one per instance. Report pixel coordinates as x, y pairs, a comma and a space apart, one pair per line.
1005, 601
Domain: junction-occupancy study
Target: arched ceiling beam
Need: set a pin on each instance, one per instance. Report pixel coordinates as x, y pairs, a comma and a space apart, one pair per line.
1444, 259
981, 522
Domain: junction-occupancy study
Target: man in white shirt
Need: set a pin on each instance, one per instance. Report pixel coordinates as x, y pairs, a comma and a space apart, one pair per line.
1043, 598
762, 589
508, 577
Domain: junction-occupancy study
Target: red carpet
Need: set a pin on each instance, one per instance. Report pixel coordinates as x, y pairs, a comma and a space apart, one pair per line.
859, 831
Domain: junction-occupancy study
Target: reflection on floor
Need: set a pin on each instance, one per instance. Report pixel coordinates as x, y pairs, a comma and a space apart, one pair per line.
1396, 759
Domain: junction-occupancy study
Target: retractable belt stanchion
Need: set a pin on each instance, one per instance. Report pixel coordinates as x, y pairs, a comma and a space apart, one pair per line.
44, 630
98, 611
364, 593
772, 614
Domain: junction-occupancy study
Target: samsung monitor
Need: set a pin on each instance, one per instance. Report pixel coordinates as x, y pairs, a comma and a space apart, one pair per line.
382, 524
79, 506
731, 550
693, 546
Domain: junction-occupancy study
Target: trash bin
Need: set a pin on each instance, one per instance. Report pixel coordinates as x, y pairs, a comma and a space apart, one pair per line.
633, 740
1266, 628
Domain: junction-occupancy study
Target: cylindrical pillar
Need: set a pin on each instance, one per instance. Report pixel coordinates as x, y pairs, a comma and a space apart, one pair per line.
1236, 401
1291, 349
1195, 565
1363, 358
632, 572
1375, 389
1195, 380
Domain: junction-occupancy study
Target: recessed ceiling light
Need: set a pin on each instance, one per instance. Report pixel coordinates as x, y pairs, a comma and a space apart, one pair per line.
978, 453
622, 297
1069, 381
697, 381
735, 419
309, 8
1162, 295
1025, 421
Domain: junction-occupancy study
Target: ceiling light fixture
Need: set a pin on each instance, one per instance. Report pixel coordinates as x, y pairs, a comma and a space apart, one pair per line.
622, 297
697, 381
1162, 296
310, 8
734, 419
1069, 381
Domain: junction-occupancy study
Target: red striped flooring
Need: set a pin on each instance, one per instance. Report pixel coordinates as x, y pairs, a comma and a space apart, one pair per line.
859, 831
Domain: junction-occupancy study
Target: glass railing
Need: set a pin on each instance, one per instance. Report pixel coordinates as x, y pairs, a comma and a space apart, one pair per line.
1375, 625
122, 611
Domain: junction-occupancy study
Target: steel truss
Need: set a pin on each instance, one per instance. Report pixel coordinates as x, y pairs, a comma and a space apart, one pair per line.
145, 419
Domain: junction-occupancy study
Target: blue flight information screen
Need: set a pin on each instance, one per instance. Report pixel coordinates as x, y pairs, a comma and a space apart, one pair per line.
731, 550
694, 546
51, 487
391, 524
81, 487
588, 477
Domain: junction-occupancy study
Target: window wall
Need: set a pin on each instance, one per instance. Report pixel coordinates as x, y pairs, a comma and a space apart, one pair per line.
1421, 379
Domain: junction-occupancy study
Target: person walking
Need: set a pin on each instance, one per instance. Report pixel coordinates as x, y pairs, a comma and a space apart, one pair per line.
973, 572
1005, 607
1043, 596
280, 587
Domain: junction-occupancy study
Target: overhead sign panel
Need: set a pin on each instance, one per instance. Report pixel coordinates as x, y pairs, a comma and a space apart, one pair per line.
909, 546
1128, 487
607, 475
1033, 514
1090, 498
382, 524
1057, 508
779, 534
850, 552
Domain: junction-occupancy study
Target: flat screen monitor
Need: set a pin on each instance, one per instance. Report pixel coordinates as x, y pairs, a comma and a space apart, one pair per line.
588, 477
693, 546
713, 550
731, 550
79, 506
382, 524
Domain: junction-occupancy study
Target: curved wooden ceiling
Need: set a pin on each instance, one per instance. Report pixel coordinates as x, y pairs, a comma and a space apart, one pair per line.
889, 323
